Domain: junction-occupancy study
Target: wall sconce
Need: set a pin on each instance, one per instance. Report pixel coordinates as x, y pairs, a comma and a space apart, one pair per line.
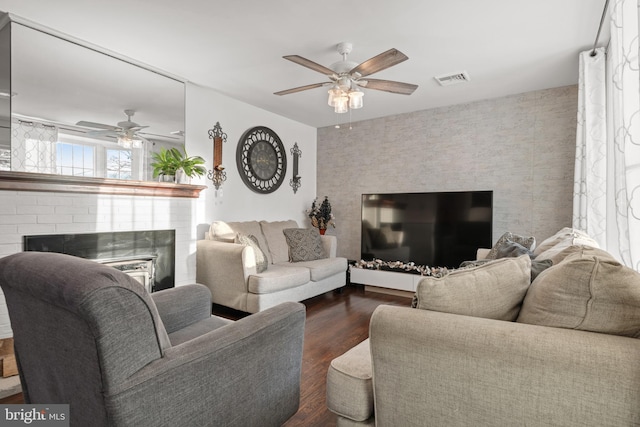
295, 182
217, 175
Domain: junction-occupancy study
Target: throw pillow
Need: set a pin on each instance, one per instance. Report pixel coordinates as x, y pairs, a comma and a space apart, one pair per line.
276, 243
537, 267
304, 244
510, 249
493, 290
552, 246
586, 291
227, 232
251, 240
527, 242
474, 263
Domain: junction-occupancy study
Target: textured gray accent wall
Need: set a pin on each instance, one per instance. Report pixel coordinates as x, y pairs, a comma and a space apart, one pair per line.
522, 147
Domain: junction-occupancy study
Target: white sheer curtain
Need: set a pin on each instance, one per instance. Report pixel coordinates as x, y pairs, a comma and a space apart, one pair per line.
33, 147
607, 172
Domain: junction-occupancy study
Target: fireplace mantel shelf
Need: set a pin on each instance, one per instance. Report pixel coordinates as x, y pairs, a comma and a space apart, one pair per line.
24, 181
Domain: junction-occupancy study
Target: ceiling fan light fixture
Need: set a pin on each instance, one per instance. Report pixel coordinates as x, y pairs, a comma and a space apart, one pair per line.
127, 142
344, 83
342, 104
355, 99
334, 93
345, 76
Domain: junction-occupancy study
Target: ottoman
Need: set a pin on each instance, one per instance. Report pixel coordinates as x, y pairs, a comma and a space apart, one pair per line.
349, 387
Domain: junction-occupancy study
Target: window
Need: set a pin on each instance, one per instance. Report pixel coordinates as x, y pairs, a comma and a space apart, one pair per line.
119, 163
82, 155
5, 159
59, 150
75, 159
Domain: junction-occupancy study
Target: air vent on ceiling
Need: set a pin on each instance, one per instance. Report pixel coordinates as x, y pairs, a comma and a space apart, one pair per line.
450, 79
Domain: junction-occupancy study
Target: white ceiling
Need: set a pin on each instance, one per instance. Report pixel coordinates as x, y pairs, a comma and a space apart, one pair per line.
506, 46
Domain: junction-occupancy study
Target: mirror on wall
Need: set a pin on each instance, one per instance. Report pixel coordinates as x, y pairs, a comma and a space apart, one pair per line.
78, 111
5, 96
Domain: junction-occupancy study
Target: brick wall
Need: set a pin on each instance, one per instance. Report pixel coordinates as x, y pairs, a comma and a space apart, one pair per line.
30, 213
522, 147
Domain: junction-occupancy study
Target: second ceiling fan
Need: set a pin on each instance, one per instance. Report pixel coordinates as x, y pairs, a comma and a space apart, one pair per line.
346, 77
127, 132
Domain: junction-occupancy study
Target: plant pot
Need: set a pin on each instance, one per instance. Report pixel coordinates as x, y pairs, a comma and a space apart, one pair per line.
182, 177
166, 178
322, 231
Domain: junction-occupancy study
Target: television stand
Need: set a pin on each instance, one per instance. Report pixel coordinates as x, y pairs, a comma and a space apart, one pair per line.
399, 281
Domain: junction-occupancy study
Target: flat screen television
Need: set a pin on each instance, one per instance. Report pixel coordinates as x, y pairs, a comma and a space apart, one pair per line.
439, 229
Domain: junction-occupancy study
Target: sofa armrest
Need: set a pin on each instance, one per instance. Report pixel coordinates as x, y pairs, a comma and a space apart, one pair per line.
330, 244
182, 306
225, 269
246, 373
457, 370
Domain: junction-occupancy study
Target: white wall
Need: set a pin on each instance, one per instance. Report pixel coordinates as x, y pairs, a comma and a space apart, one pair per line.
30, 213
205, 107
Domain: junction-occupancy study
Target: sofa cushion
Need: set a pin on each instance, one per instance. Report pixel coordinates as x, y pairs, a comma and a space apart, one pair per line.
304, 244
566, 237
493, 290
227, 231
276, 242
586, 291
261, 258
528, 242
321, 268
579, 249
278, 277
349, 386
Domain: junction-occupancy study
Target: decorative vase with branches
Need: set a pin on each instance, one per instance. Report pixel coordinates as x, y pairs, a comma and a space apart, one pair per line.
321, 216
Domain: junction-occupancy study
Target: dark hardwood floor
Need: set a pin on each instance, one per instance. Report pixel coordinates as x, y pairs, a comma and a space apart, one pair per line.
336, 321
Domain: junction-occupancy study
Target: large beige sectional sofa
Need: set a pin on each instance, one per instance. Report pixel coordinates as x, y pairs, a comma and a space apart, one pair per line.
484, 346
230, 269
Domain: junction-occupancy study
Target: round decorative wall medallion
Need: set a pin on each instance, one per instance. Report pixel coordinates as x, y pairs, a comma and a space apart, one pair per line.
261, 159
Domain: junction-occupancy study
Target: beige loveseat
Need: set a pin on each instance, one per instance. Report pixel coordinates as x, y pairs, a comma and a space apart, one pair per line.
231, 270
485, 348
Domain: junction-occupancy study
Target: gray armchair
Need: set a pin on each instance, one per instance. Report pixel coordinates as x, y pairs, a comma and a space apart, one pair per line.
90, 336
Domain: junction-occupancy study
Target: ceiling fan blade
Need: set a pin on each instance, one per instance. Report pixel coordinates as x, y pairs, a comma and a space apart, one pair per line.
95, 125
103, 133
310, 64
389, 86
301, 88
155, 135
380, 62
136, 128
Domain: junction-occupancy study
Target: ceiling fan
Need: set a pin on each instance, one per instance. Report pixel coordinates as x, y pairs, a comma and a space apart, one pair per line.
346, 77
127, 132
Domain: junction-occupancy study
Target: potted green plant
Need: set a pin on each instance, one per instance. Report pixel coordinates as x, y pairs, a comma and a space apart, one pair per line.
172, 165
189, 167
165, 164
